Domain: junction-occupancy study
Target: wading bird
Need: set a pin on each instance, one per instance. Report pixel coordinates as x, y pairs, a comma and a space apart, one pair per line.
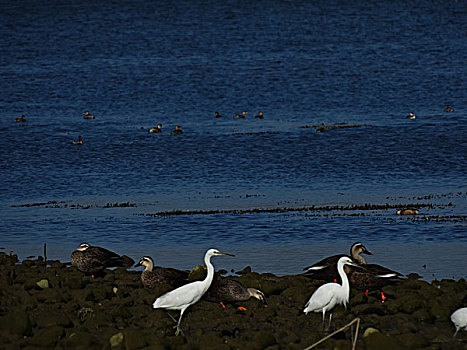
459, 318
188, 294
330, 294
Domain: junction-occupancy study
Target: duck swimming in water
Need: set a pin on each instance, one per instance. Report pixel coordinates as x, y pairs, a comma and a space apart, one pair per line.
407, 211
448, 109
79, 142
259, 116
177, 131
217, 115
410, 116
230, 291
88, 115
92, 260
22, 119
154, 276
240, 116
157, 129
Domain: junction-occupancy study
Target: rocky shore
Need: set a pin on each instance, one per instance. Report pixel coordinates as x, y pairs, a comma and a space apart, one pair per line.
54, 306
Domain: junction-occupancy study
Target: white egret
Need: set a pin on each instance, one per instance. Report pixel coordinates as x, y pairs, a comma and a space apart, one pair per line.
459, 318
330, 294
188, 294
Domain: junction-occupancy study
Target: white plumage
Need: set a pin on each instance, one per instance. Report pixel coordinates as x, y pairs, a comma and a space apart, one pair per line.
459, 318
330, 294
188, 294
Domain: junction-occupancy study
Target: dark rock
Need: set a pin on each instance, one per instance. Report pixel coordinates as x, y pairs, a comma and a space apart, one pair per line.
16, 322
378, 341
134, 339
47, 338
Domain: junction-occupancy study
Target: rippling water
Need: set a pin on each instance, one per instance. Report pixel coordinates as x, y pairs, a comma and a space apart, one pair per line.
135, 64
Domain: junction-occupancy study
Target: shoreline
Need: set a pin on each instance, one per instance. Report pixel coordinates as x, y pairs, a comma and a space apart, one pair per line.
73, 311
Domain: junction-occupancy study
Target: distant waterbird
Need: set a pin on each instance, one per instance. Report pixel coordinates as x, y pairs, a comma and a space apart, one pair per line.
410, 116
407, 211
156, 130
326, 297
448, 109
78, 142
88, 115
459, 318
154, 276
188, 294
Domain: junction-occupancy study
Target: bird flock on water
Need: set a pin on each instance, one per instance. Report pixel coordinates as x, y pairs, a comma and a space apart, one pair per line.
339, 271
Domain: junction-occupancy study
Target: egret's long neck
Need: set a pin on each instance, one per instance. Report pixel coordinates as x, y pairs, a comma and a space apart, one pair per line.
208, 280
345, 281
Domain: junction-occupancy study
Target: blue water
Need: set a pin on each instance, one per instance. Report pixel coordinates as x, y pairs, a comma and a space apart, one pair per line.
135, 64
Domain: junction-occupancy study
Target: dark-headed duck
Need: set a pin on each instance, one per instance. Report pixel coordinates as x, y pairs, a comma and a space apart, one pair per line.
410, 116
240, 116
79, 142
217, 115
157, 129
88, 115
259, 116
177, 131
22, 119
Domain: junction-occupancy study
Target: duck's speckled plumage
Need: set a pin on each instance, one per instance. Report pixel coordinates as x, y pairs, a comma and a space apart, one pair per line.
227, 290
91, 260
154, 276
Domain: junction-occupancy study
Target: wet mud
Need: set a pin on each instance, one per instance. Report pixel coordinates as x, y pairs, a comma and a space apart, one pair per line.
54, 306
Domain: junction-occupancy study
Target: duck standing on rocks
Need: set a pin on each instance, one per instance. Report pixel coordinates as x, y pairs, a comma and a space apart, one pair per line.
154, 276
326, 269
88, 115
230, 291
92, 260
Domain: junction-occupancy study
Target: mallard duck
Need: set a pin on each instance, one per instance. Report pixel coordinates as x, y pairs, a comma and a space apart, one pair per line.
229, 291
157, 129
79, 142
92, 260
177, 131
154, 276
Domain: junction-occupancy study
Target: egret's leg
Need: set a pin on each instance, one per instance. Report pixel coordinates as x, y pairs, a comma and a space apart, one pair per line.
179, 329
330, 317
455, 333
324, 327
173, 318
